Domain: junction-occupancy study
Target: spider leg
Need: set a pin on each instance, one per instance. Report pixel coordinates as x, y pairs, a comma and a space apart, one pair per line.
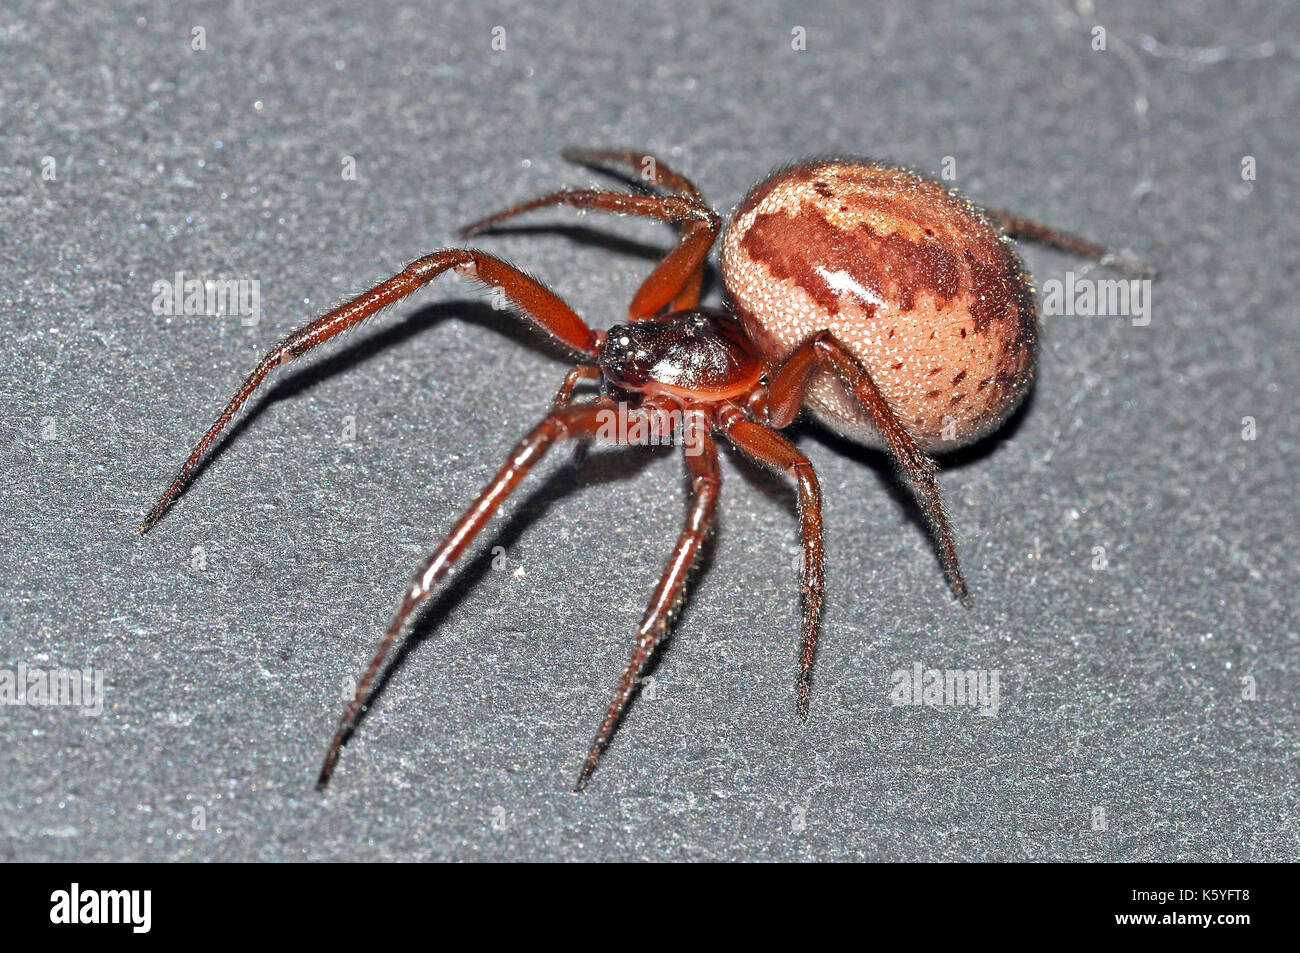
565, 394
786, 392
583, 372
674, 276
770, 448
655, 172
677, 279
689, 297
538, 303
1017, 226
578, 421
702, 460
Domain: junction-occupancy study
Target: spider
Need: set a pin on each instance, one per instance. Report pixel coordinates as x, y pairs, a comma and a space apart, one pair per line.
894, 311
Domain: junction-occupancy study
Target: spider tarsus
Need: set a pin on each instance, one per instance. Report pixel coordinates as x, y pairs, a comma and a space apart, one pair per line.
153, 516
959, 588
164, 504
588, 767
331, 759
326, 771
347, 725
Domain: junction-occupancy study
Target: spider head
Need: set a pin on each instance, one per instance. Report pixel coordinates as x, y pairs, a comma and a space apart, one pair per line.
629, 355
699, 353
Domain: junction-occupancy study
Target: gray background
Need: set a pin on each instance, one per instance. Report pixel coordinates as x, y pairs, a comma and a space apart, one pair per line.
1122, 688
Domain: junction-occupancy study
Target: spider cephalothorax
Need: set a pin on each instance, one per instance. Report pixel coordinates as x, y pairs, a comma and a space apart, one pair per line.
897, 312
697, 354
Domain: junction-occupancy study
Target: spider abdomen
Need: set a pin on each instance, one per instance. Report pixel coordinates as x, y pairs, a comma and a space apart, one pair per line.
915, 281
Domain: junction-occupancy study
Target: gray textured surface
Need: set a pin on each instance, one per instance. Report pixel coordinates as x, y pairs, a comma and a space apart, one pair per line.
1121, 688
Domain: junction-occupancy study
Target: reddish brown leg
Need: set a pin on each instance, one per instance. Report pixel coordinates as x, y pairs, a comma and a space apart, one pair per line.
771, 449
660, 176
702, 461
565, 394
538, 303
676, 280
673, 275
583, 372
786, 392
689, 296
1017, 226
581, 421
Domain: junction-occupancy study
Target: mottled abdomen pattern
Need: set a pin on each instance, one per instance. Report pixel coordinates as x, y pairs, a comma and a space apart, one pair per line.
918, 284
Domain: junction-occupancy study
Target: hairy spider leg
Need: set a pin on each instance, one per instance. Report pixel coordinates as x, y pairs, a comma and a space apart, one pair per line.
1017, 226
771, 449
700, 227
654, 171
701, 453
786, 393
583, 372
576, 421
565, 394
538, 303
